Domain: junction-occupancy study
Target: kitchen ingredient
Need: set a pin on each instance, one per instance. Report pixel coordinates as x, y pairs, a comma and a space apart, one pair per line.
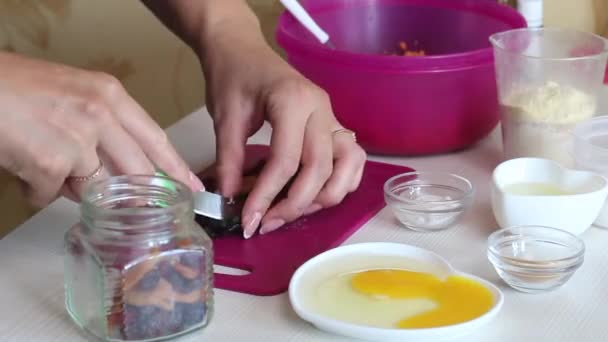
536, 189
537, 121
429, 206
403, 49
138, 267
165, 301
433, 212
535, 259
231, 224
157, 297
162, 296
551, 103
399, 298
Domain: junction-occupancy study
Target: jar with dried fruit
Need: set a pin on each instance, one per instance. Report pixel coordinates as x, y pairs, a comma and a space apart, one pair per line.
138, 267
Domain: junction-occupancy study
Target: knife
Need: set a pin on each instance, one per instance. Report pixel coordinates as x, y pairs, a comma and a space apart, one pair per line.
212, 205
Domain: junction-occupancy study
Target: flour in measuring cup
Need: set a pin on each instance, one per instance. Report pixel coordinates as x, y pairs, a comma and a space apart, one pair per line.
537, 122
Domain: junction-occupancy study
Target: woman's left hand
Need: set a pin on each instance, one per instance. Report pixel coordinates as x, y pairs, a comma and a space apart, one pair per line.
247, 84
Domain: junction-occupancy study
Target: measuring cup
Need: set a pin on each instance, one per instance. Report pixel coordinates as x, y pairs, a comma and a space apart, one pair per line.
548, 80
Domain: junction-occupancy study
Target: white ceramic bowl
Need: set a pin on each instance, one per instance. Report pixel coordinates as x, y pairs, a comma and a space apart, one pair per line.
574, 211
356, 257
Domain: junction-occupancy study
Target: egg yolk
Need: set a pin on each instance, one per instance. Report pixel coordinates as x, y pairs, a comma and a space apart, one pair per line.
458, 299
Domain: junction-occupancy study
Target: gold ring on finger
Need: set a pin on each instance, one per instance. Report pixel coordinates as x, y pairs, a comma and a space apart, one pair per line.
90, 177
347, 131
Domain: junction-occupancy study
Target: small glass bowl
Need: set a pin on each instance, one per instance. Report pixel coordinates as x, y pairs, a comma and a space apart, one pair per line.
535, 259
428, 201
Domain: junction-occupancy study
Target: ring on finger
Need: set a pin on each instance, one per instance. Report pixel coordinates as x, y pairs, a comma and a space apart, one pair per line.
345, 131
90, 177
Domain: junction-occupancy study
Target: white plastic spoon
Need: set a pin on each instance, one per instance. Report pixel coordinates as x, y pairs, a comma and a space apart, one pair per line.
294, 7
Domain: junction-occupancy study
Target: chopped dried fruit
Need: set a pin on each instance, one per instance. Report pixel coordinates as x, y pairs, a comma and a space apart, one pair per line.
147, 322
134, 274
167, 299
184, 243
192, 260
147, 275
404, 50
186, 271
231, 225
149, 281
180, 283
191, 313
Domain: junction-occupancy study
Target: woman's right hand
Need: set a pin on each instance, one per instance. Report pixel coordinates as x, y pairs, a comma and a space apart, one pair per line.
59, 122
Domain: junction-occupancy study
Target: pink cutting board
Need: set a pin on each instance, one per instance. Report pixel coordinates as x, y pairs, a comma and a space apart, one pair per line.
273, 258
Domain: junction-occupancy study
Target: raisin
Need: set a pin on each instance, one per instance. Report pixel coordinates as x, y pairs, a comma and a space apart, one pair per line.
181, 284
149, 280
193, 260
192, 313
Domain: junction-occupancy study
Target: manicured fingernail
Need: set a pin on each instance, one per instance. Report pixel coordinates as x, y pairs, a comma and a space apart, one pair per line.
271, 225
196, 183
251, 225
247, 234
312, 209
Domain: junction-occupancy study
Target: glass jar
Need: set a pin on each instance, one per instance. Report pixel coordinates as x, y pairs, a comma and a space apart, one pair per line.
138, 267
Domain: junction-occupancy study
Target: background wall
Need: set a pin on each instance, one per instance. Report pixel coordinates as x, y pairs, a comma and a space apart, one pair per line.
122, 38
585, 15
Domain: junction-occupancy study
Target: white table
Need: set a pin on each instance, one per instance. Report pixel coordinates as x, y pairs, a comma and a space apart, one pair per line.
31, 268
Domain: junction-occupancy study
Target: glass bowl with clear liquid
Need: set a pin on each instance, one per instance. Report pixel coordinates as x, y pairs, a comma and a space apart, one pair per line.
535, 259
428, 201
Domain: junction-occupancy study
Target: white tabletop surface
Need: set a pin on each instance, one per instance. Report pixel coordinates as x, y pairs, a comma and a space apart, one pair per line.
31, 266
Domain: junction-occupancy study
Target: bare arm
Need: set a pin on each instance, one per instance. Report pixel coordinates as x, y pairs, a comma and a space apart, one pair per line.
199, 23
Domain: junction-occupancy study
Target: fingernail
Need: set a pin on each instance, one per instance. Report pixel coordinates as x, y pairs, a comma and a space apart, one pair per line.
271, 225
252, 225
247, 234
312, 209
196, 183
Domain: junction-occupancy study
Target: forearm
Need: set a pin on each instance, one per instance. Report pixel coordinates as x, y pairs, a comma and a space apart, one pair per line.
200, 23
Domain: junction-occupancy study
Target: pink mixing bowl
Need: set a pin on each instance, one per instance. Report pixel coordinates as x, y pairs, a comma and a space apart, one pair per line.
399, 105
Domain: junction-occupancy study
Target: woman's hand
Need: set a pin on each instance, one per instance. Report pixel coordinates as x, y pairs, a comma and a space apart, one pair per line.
60, 122
247, 84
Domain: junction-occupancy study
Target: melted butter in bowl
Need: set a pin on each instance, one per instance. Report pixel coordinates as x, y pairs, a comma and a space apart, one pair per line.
537, 189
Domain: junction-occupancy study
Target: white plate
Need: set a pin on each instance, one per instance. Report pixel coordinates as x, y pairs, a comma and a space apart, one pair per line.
381, 255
